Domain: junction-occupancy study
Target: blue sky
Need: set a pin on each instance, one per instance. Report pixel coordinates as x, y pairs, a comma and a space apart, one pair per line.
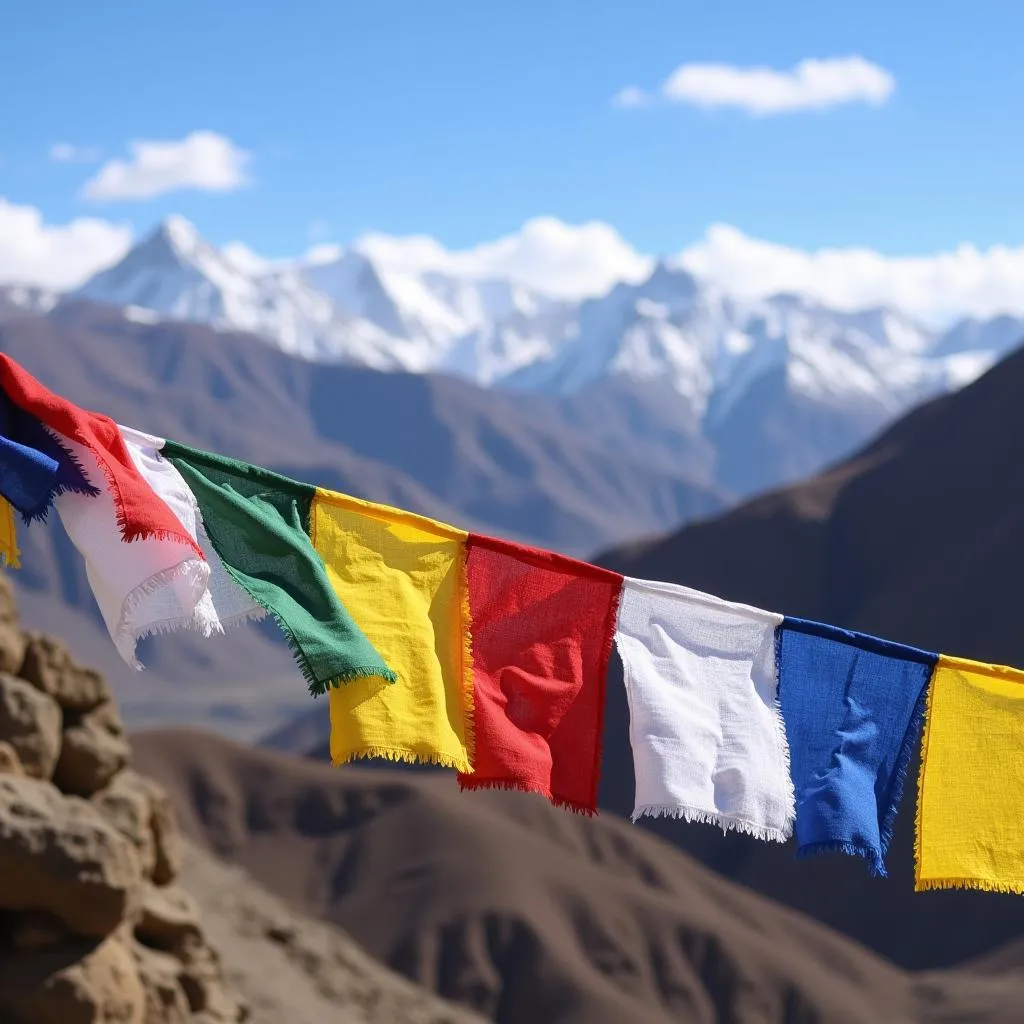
461, 120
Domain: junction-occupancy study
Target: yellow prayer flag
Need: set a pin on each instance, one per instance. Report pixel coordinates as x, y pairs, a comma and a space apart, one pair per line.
9, 552
401, 577
970, 805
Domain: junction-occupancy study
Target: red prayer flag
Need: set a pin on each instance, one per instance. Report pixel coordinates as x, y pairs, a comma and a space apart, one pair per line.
140, 512
542, 631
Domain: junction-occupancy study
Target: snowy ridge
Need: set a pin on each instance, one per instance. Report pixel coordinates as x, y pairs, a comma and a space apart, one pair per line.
372, 306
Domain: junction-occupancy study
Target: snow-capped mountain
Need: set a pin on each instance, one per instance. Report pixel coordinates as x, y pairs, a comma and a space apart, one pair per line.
370, 305
176, 274
424, 314
711, 347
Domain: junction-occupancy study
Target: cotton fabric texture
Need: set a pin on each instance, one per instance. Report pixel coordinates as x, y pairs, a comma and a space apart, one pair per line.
704, 723
224, 603
155, 584
971, 786
258, 522
401, 576
139, 514
34, 468
542, 628
853, 706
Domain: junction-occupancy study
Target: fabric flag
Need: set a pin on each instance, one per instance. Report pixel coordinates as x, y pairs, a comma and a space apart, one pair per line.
34, 468
542, 627
708, 739
258, 523
153, 585
140, 513
853, 706
970, 801
9, 553
401, 576
225, 603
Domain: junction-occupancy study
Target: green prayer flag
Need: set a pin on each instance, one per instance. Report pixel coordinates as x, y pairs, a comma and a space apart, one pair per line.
258, 523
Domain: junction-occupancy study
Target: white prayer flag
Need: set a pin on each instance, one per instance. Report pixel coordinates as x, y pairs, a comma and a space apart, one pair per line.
708, 738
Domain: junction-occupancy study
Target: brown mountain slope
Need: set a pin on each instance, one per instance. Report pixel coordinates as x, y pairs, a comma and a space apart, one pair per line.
919, 538
527, 913
292, 969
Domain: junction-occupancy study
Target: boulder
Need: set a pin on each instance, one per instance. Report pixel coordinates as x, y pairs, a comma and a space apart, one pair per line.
170, 919
10, 763
30, 722
141, 810
203, 981
58, 854
12, 647
78, 984
49, 666
94, 750
159, 973
166, 835
127, 807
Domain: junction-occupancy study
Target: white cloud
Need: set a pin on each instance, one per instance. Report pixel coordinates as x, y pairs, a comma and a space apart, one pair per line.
629, 98
810, 85
962, 281
56, 256
69, 153
203, 160
564, 260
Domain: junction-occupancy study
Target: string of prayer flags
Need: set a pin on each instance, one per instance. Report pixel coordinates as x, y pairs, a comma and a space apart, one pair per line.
708, 739
853, 706
258, 524
970, 801
401, 576
542, 628
443, 647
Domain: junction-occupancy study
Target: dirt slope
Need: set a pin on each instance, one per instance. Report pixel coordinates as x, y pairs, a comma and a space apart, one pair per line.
528, 913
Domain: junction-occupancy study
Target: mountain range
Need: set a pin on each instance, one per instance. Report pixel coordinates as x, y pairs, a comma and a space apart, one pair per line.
777, 387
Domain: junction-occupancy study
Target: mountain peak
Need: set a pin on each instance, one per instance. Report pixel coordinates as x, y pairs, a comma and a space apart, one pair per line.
179, 234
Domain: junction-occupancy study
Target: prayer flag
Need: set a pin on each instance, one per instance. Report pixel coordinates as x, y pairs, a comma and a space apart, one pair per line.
708, 739
258, 523
970, 802
401, 577
853, 706
542, 628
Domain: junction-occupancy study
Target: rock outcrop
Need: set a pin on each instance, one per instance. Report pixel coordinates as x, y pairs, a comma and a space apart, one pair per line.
93, 927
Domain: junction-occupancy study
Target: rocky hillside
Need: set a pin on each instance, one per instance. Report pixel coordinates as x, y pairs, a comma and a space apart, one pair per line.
98, 922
